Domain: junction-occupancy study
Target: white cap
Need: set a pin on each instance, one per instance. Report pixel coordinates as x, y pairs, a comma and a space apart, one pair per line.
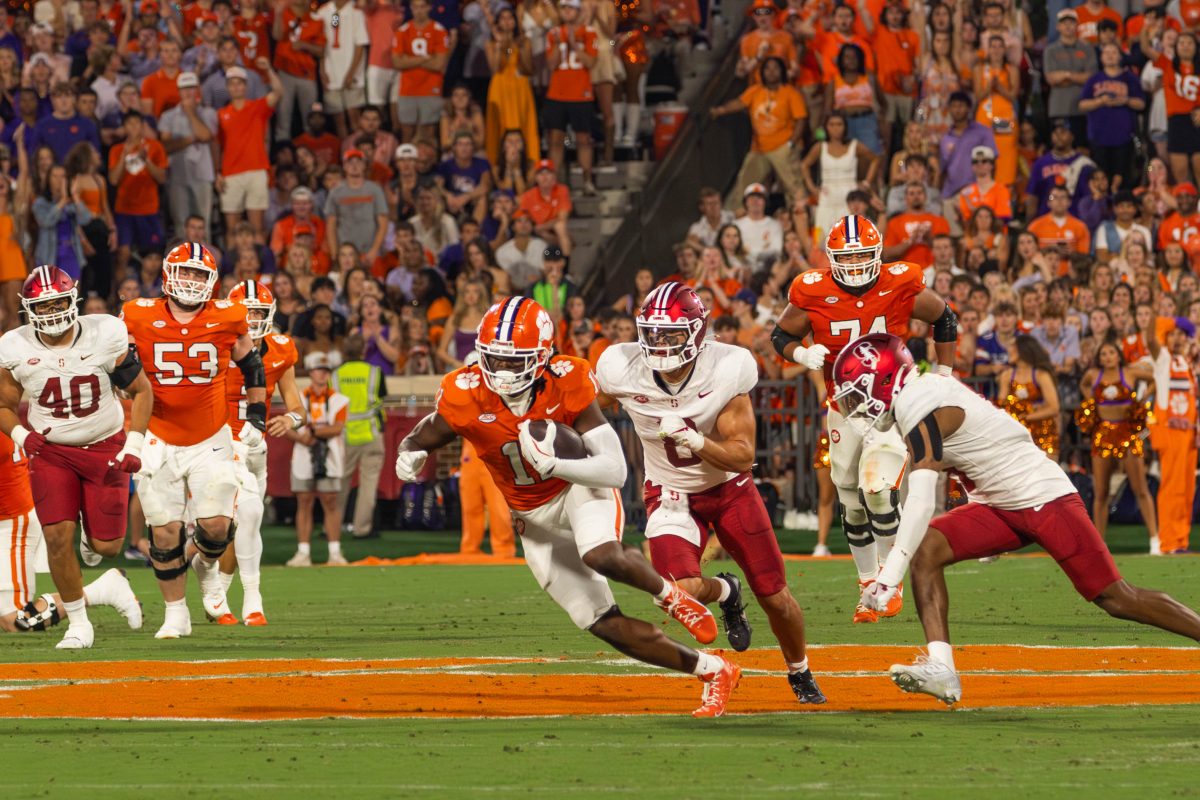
407, 151
317, 360
187, 80
235, 73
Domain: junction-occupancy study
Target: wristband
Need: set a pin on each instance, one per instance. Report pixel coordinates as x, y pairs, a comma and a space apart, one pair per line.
297, 420
18, 435
134, 442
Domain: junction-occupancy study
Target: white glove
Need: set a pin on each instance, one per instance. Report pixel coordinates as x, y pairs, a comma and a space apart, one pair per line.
410, 463
253, 439
877, 596
683, 435
811, 357
539, 453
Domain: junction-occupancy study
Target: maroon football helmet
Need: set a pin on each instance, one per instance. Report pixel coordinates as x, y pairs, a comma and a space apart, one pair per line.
868, 373
41, 294
671, 326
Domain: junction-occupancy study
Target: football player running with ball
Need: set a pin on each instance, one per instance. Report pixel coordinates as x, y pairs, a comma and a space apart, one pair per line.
1017, 497
80, 458
859, 294
689, 402
567, 510
188, 340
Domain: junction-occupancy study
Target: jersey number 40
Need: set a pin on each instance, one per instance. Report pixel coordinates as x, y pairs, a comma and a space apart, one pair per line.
74, 401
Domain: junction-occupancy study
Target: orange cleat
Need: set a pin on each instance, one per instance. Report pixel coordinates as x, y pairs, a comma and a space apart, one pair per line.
717, 688
690, 613
862, 614
227, 619
895, 604
256, 619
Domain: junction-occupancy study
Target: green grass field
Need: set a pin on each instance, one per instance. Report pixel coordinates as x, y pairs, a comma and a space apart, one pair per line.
403, 612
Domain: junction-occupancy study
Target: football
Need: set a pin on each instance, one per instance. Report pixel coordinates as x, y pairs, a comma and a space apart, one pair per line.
568, 443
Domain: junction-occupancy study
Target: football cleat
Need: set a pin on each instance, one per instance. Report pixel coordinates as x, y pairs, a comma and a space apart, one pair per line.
717, 688
78, 637
174, 629
822, 551
733, 614
90, 557
216, 609
895, 604
122, 598
255, 619
336, 560
690, 613
805, 687
862, 614
927, 676
299, 560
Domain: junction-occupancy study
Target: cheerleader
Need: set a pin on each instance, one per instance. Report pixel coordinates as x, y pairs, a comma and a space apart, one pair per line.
1028, 393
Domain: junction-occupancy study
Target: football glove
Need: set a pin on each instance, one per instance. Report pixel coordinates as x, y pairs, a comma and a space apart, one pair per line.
811, 357
410, 463
538, 452
877, 596
252, 437
29, 441
129, 458
683, 435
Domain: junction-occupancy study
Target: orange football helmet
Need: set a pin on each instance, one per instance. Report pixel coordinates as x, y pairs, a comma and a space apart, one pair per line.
256, 297
851, 238
187, 287
514, 342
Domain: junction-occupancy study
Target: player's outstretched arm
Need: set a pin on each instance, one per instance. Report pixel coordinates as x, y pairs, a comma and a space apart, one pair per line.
129, 377
925, 455
931, 308
603, 468
294, 418
731, 448
431, 433
10, 401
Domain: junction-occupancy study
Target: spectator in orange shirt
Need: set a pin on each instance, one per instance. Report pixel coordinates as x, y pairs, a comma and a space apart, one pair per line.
1183, 224
299, 42
1060, 233
777, 117
548, 204
136, 167
421, 51
586, 343
828, 42
159, 91
909, 236
984, 191
284, 231
570, 99
765, 42
1089, 15
243, 182
897, 47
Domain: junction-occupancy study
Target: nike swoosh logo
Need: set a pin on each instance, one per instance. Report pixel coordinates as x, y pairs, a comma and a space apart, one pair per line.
553, 408
889, 291
276, 364
85, 358
211, 324
705, 394
742, 481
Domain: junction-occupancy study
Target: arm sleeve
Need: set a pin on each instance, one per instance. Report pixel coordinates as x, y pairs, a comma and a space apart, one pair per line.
914, 522
604, 467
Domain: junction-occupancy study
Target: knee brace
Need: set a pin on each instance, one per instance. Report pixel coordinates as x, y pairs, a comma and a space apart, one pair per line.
30, 619
853, 510
208, 546
161, 558
859, 535
882, 510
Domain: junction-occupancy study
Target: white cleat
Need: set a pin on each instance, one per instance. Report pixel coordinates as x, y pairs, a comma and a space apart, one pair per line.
822, 551
216, 608
78, 637
336, 560
122, 597
178, 623
299, 560
90, 557
927, 676
1155, 546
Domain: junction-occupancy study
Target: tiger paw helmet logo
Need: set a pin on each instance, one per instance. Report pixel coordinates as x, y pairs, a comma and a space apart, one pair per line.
561, 368
467, 380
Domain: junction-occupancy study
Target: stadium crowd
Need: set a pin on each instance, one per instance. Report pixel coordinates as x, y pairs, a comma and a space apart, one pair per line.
389, 169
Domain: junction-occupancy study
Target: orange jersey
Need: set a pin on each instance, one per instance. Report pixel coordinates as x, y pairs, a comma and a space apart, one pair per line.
430, 39
778, 45
288, 58
16, 496
1087, 22
838, 317
571, 82
186, 365
477, 414
897, 52
1181, 87
1178, 228
278, 355
253, 37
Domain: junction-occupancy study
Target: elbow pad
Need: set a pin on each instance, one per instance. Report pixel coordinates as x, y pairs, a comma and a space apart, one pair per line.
604, 467
128, 370
781, 339
251, 366
945, 327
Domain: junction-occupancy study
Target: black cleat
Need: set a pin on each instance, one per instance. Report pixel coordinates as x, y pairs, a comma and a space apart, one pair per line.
733, 614
805, 687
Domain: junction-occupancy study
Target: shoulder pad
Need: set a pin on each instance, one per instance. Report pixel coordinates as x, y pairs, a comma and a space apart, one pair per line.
145, 302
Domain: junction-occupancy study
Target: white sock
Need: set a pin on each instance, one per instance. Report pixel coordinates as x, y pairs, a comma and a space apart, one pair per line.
941, 652
97, 592
883, 546
76, 612
666, 590
800, 667
335, 548
177, 611
866, 561
304, 548
726, 590
226, 581
707, 664
618, 119
251, 596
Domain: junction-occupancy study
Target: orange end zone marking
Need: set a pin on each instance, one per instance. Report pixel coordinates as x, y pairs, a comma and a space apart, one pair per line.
310, 689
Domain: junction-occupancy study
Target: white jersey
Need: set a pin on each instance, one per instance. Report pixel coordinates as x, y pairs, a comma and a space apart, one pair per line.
720, 373
1003, 467
68, 388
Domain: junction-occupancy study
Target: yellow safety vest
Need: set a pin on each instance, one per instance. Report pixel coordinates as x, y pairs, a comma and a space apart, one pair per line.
358, 380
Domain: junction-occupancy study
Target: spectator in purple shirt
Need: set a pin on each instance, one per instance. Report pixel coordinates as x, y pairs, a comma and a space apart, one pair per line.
65, 128
27, 109
465, 178
1112, 99
955, 148
1062, 165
